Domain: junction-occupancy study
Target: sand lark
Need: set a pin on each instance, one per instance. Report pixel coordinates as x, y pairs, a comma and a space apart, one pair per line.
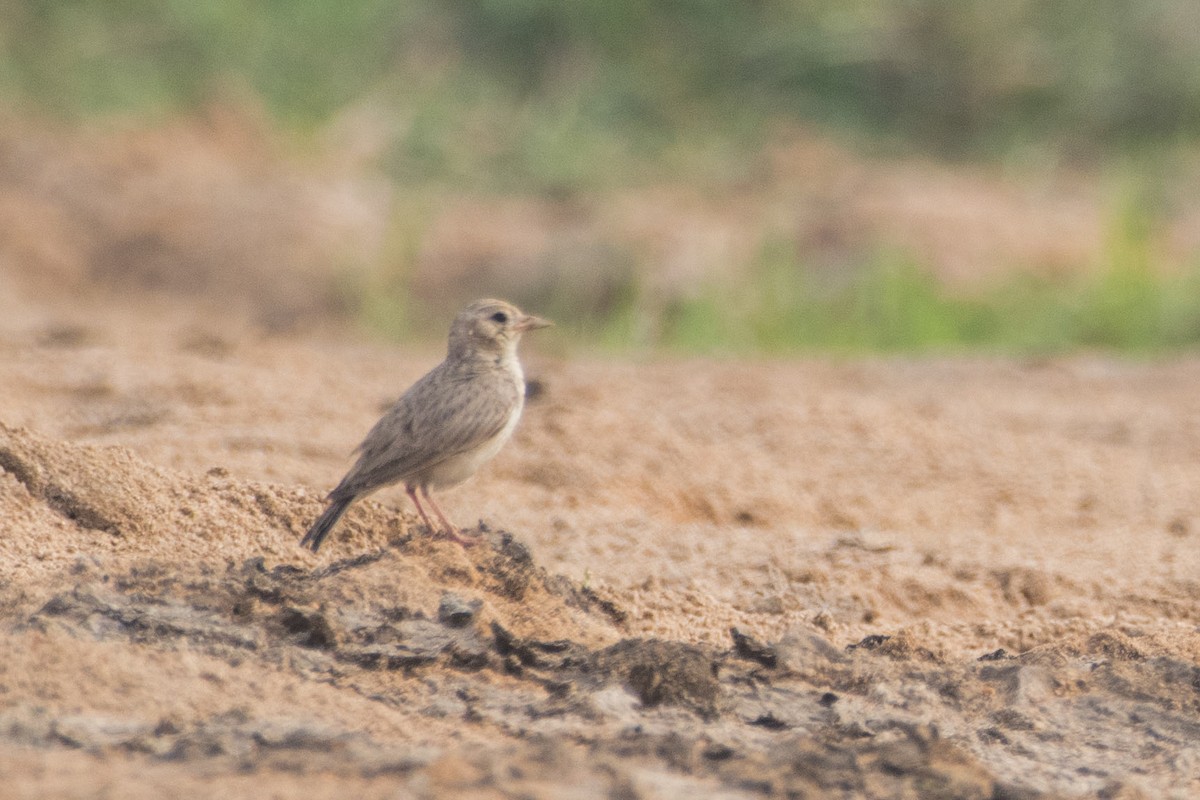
448, 424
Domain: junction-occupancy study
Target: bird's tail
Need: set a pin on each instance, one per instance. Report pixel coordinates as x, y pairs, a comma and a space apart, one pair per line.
324, 524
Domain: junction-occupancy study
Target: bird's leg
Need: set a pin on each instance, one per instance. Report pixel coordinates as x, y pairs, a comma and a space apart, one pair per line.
412, 492
451, 531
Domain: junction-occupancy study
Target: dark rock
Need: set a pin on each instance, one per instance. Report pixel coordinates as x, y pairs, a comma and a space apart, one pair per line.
456, 612
663, 673
718, 752
307, 628
532, 652
747, 647
770, 722
872, 642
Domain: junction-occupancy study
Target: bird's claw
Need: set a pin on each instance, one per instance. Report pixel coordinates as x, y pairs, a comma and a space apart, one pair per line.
456, 536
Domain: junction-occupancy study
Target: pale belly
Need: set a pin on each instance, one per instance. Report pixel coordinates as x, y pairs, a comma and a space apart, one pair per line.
457, 469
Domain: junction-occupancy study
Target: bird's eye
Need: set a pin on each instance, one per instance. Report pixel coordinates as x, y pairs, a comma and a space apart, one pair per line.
500, 317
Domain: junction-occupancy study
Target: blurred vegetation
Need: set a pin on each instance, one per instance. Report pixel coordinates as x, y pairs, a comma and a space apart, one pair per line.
500, 87
897, 307
556, 96
894, 305
781, 306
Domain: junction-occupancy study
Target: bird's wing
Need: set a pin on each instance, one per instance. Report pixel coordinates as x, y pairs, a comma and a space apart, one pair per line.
440, 416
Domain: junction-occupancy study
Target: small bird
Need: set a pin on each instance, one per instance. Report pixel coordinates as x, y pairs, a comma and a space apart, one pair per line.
448, 424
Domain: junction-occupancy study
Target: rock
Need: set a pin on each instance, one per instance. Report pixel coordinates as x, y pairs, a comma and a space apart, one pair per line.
663, 673
456, 612
752, 649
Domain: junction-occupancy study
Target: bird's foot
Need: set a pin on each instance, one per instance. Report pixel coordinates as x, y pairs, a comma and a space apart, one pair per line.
456, 536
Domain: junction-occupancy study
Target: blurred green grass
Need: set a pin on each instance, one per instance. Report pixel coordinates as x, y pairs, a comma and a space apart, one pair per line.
891, 304
895, 306
781, 305
546, 93
552, 97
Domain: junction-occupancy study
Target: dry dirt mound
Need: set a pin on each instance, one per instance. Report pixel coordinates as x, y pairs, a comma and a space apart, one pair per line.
166, 629
486, 640
119, 510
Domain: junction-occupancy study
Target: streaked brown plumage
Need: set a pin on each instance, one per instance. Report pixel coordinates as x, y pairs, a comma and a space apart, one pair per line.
449, 423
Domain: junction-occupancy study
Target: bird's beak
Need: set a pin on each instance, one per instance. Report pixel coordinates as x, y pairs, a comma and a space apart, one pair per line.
531, 323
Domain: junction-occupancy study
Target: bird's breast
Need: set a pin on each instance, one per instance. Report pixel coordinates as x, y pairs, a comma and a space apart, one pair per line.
456, 469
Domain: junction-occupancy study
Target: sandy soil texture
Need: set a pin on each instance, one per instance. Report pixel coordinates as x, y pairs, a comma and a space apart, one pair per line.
962, 578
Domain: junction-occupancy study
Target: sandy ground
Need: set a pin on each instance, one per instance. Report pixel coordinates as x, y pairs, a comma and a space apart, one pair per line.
949, 577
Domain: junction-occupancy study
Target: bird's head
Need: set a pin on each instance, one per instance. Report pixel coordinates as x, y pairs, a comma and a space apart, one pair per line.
491, 327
